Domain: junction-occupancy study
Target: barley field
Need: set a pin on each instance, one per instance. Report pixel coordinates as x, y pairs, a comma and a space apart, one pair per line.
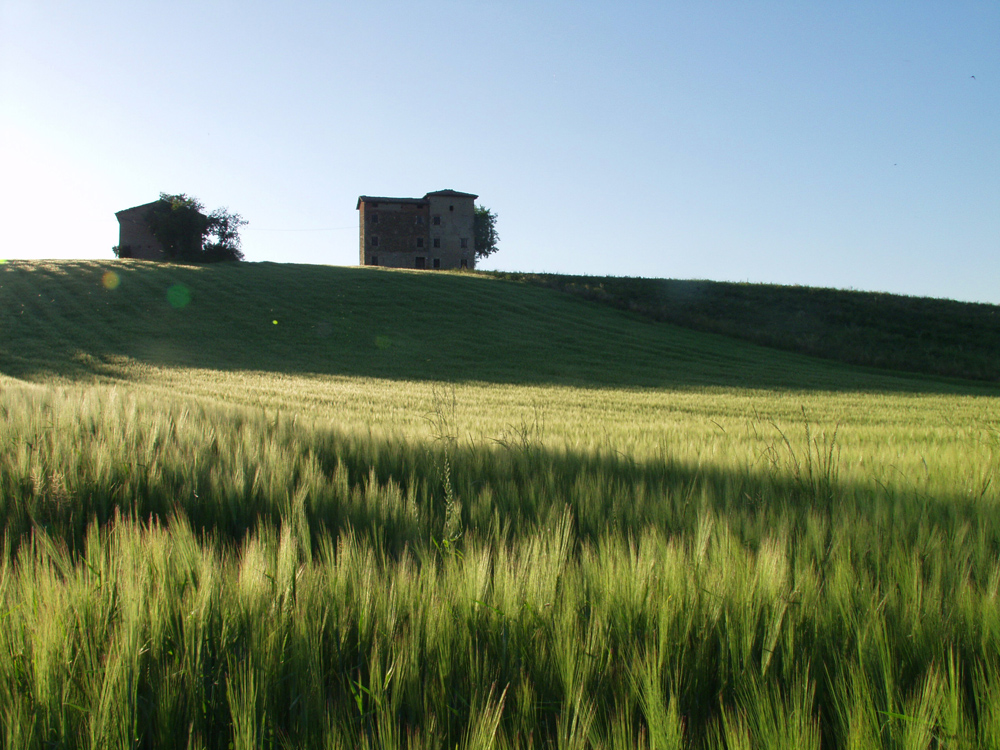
266, 506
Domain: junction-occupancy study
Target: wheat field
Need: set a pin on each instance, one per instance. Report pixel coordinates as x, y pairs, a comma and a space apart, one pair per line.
510, 547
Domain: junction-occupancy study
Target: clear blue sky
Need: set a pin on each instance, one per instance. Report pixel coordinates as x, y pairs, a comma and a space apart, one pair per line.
842, 144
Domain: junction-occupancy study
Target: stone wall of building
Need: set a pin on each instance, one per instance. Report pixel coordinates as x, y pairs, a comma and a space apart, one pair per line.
134, 238
452, 222
393, 228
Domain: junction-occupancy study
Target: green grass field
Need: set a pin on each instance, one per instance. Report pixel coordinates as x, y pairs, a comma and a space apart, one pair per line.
261, 505
913, 334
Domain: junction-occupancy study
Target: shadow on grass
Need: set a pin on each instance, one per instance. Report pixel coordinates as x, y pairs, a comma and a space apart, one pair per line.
70, 320
914, 334
402, 495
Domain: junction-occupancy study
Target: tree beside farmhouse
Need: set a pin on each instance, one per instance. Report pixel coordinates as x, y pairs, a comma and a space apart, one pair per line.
485, 232
175, 228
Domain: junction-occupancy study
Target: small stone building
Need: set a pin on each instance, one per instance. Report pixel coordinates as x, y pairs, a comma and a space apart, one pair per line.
435, 231
134, 238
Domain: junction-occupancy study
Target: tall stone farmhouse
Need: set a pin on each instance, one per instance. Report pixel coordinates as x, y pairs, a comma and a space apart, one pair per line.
435, 231
134, 238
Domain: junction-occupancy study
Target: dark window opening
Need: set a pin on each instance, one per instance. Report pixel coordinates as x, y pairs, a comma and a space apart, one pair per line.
465, 243
451, 208
465, 263
437, 262
420, 241
437, 242
421, 262
437, 220
375, 241
373, 260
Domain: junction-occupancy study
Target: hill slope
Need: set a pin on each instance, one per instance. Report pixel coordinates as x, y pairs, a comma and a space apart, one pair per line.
914, 334
77, 318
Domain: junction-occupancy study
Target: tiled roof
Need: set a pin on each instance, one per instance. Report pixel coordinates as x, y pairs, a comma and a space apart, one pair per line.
145, 206
451, 193
382, 199
436, 194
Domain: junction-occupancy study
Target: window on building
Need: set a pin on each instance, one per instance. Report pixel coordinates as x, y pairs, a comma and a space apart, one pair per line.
421, 262
437, 242
374, 218
375, 241
420, 241
437, 262
436, 221
465, 243
420, 221
465, 263
373, 260
451, 208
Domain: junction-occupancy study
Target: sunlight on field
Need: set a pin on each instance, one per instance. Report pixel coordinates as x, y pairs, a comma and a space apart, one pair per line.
700, 544
919, 442
717, 563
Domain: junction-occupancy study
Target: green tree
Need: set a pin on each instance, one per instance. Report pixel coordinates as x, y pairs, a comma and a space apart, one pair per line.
224, 235
485, 232
178, 223
187, 234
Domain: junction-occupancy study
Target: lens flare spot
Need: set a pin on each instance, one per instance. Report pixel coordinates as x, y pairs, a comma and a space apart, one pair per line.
110, 280
382, 342
178, 296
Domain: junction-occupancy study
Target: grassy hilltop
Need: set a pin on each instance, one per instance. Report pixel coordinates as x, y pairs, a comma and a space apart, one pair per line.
63, 319
262, 505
